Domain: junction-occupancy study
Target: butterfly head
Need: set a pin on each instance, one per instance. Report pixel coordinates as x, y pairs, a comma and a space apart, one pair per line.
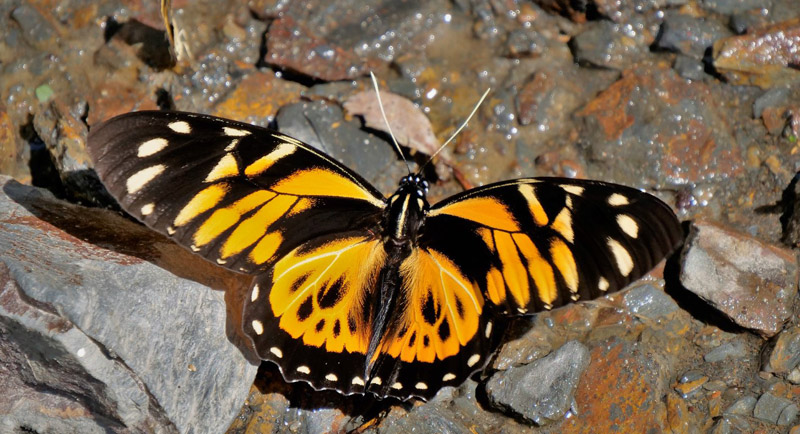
407, 208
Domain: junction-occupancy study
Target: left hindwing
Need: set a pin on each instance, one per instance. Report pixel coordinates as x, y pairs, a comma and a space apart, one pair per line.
539, 243
237, 194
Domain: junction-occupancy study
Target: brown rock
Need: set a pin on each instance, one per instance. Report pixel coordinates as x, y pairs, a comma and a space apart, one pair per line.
766, 57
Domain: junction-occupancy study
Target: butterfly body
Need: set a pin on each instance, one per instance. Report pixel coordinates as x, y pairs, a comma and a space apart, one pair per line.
359, 293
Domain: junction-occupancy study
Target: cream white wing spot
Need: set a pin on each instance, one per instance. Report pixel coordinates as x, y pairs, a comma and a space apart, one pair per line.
357, 381
473, 360
617, 199
332, 377
147, 209
235, 132
488, 331
573, 189
277, 352
449, 377
258, 327
151, 147
181, 127
421, 386
621, 256
256, 292
143, 177
628, 225
303, 369
397, 386
602, 284
376, 381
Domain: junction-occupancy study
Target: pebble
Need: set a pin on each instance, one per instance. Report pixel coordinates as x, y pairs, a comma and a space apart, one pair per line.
733, 350
775, 409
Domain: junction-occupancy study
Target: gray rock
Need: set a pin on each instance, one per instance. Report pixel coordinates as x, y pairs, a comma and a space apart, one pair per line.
688, 35
733, 350
148, 344
542, 390
648, 301
689, 67
743, 406
608, 45
785, 355
770, 408
727, 7
753, 283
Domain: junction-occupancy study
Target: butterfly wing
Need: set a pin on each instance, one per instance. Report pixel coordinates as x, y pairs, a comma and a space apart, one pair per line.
539, 243
256, 201
239, 195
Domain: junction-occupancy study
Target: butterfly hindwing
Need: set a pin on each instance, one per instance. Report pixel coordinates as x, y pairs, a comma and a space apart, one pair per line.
539, 243
237, 194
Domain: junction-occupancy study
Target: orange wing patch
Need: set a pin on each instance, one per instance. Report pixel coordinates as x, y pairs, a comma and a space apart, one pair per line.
318, 294
486, 211
443, 312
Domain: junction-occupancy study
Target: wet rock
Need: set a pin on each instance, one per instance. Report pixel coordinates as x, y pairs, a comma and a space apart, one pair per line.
649, 301
785, 355
147, 345
732, 350
690, 382
775, 409
753, 283
689, 35
14, 154
542, 390
765, 58
674, 136
295, 47
524, 43
609, 45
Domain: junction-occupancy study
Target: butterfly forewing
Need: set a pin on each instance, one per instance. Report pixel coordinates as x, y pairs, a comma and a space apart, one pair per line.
535, 244
237, 194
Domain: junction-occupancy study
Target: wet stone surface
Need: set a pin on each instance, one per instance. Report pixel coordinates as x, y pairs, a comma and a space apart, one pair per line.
694, 101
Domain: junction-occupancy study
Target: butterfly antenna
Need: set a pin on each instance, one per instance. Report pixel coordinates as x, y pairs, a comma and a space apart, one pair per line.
464, 124
386, 120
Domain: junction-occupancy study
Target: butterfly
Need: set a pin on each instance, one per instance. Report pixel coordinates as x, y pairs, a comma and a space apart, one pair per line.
357, 292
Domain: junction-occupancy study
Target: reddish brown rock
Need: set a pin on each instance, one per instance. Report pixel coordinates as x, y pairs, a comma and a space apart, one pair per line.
292, 46
766, 57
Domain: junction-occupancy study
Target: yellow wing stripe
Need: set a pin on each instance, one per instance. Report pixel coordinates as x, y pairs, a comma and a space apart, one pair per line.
537, 211
225, 168
262, 164
540, 270
224, 218
563, 225
514, 272
565, 263
266, 248
323, 182
201, 202
485, 211
249, 231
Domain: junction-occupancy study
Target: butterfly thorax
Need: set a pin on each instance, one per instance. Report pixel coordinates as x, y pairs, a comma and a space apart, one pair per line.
406, 210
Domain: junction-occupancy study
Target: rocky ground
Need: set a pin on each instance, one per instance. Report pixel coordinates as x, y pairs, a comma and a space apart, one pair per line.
106, 326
